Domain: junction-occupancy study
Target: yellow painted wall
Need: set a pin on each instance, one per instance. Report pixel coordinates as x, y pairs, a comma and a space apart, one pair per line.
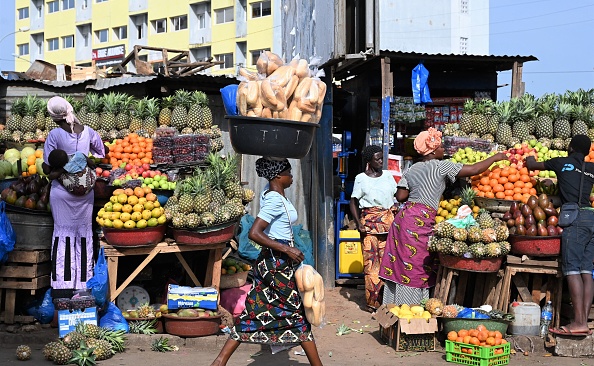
58, 25
223, 37
160, 9
259, 32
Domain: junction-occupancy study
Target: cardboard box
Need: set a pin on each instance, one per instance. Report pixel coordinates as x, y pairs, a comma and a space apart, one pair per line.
418, 335
185, 297
67, 319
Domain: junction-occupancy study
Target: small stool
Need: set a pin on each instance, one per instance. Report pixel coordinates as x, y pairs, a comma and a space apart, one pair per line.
486, 288
545, 266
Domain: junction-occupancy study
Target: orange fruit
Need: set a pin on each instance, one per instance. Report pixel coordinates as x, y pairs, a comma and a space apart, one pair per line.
483, 335
475, 341
481, 327
473, 333
498, 334
490, 341
503, 341
452, 336
459, 339
497, 341
468, 338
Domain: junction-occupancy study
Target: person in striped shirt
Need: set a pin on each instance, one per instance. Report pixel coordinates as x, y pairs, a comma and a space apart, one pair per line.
407, 267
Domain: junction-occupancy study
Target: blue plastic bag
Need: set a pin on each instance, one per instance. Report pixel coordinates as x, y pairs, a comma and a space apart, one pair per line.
304, 244
112, 318
469, 313
98, 283
229, 95
247, 249
7, 235
420, 89
43, 310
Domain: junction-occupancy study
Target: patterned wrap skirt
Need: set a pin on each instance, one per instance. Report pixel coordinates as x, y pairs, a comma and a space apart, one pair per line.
406, 260
273, 313
377, 222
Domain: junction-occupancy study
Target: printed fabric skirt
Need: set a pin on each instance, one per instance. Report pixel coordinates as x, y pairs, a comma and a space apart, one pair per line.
274, 313
377, 221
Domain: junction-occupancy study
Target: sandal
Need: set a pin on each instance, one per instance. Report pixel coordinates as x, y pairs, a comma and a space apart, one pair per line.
563, 330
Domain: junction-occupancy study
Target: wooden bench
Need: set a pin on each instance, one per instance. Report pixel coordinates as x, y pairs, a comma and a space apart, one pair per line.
24, 270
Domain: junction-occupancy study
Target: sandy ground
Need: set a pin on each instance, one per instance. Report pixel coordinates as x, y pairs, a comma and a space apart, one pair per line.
362, 347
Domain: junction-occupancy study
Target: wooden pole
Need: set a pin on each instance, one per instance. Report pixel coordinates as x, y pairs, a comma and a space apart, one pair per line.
517, 87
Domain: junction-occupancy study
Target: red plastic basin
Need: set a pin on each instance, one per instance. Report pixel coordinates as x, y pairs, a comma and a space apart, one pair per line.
471, 264
536, 246
191, 327
134, 237
209, 235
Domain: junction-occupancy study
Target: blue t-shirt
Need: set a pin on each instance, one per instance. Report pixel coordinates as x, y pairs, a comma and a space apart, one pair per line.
275, 210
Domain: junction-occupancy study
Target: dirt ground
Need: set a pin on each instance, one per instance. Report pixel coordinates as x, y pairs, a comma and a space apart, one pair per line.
343, 305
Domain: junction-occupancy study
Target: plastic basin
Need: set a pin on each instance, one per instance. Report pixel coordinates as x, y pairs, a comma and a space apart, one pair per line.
471, 264
191, 327
134, 237
271, 137
208, 235
33, 230
457, 324
536, 246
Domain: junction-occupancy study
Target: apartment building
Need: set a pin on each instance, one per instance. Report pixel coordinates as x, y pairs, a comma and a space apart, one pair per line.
80, 31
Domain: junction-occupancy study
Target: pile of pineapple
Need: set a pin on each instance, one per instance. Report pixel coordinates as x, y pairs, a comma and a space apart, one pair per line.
115, 115
487, 239
552, 119
449, 208
87, 344
209, 197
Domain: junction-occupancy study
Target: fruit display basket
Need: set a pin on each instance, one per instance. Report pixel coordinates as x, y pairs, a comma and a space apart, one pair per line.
191, 326
536, 246
158, 324
208, 235
485, 265
233, 280
271, 137
494, 204
477, 355
456, 324
134, 237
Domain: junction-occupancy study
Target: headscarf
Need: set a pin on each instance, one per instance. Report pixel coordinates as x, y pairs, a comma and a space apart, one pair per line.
268, 167
428, 141
59, 109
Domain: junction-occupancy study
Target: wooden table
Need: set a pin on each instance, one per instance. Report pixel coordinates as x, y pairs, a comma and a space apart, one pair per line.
213, 272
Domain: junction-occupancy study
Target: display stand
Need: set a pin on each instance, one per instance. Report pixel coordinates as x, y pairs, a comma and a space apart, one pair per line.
213, 272
518, 272
487, 286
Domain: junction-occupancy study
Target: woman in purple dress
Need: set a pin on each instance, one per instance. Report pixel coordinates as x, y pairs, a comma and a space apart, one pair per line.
72, 241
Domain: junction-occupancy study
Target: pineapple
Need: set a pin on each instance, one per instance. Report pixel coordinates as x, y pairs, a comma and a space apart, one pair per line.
205, 112
485, 220
449, 311
207, 218
143, 326
116, 338
193, 220
5, 135
248, 195
61, 354
17, 136
432, 244
187, 131
218, 173
94, 106
491, 116
83, 355
28, 123
488, 137
492, 250
444, 229
49, 349
477, 250
150, 118
222, 214
29, 136
16, 115
561, 126
202, 193
50, 124
501, 232
581, 120
178, 220
474, 234
145, 311
101, 348
194, 120
503, 134
505, 247
179, 115
72, 340
488, 236
165, 113
216, 144
467, 197
162, 345
458, 248
124, 104
186, 203
88, 330
480, 123
467, 119
545, 112
23, 352
40, 115
460, 234
434, 306
138, 112
110, 109
520, 128
526, 112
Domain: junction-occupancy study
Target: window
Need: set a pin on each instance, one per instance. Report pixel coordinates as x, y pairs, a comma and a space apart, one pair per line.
39, 11
23, 13
53, 6
84, 4
68, 42
121, 32
224, 15
261, 9
101, 35
53, 44
23, 49
67, 4
463, 6
228, 60
201, 21
139, 32
86, 39
180, 22
256, 55
463, 45
160, 25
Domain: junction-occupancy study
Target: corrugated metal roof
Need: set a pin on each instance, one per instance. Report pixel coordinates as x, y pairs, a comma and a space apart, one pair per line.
107, 83
60, 84
453, 56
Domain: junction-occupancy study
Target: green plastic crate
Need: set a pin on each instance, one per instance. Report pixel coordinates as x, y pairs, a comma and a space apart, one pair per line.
480, 356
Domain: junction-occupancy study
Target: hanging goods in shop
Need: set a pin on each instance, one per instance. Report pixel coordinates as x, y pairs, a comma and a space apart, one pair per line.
420, 89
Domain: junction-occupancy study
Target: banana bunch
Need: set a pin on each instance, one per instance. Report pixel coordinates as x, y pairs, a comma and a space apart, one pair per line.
546, 186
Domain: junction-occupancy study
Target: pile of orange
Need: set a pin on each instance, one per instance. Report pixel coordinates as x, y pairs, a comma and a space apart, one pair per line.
480, 336
506, 183
590, 156
132, 149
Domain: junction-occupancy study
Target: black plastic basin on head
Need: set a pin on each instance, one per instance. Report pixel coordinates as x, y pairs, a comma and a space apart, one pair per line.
271, 137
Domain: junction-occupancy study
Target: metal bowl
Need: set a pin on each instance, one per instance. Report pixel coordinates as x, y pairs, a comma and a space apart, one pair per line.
134, 237
271, 137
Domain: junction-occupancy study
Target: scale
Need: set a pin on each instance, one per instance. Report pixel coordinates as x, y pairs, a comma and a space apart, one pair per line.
347, 247
132, 297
